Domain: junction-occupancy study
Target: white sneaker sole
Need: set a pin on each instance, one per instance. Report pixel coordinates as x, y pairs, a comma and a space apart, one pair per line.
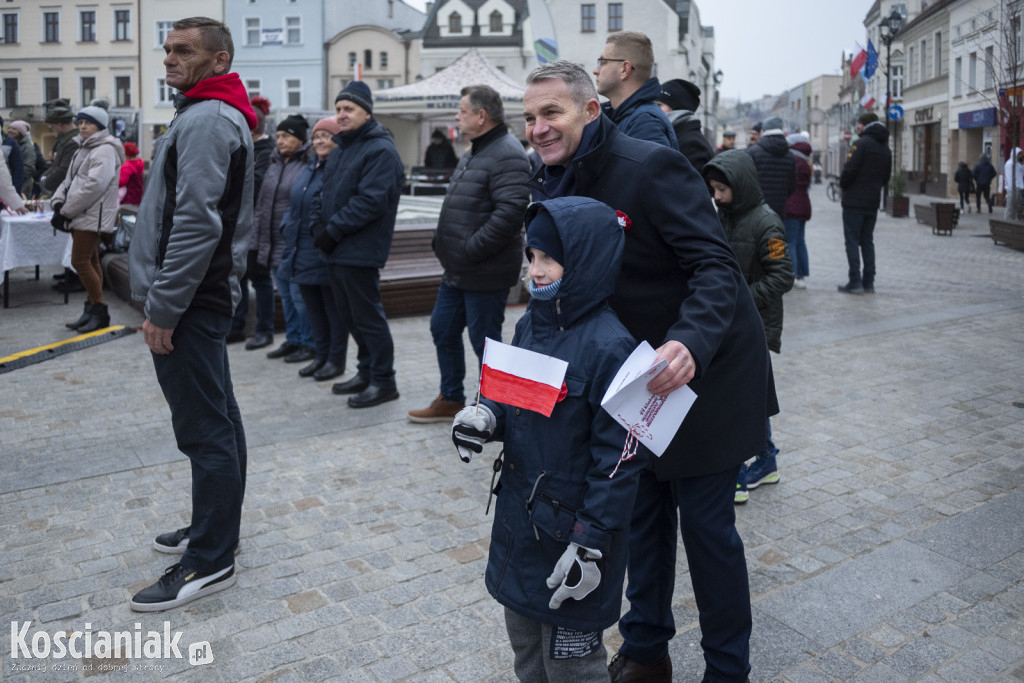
171, 549
213, 584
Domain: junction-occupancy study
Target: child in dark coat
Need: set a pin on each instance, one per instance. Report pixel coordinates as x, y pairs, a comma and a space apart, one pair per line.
964, 185
559, 542
757, 236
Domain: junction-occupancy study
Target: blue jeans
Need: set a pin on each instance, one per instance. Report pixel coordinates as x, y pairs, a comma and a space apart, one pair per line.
454, 311
703, 511
797, 246
769, 450
196, 381
297, 328
357, 294
859, 233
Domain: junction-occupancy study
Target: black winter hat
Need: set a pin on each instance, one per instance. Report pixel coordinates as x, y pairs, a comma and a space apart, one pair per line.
295, 125
679, 94
542, 234
357, 92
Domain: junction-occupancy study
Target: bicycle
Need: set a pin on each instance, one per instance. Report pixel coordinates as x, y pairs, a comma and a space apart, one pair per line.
833, 191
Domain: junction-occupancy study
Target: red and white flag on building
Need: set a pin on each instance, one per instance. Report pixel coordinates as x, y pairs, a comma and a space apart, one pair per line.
860, 58
521, 378
868, 101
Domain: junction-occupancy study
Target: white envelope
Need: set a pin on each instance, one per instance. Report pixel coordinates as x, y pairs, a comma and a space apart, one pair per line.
653, 420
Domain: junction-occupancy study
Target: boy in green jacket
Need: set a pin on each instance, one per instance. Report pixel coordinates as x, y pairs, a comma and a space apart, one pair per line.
757, 236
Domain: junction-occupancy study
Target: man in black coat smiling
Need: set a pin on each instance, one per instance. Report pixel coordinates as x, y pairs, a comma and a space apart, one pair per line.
681, 290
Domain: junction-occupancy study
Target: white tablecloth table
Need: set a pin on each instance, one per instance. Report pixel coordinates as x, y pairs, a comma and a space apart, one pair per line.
29, 240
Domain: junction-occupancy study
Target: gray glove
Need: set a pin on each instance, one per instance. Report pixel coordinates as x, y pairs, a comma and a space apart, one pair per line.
576, 574
472, 427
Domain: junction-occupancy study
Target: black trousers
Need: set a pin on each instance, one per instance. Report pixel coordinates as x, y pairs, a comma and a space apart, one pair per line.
357, 294
329, 333
196, 381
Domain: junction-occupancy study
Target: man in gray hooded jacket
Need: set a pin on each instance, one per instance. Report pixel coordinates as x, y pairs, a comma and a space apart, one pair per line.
187, 255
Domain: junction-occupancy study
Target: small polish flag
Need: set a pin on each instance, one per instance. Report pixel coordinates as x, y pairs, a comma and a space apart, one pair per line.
868, 101
521, 378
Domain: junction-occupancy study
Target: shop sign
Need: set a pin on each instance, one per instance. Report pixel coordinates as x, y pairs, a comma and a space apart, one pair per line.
980, 118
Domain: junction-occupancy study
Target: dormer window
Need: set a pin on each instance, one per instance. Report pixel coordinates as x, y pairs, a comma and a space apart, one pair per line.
455, 23
496, 22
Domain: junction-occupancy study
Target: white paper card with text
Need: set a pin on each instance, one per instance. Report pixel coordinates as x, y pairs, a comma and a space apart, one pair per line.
652, 419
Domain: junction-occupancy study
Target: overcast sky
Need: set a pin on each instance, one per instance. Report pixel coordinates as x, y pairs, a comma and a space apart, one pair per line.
768, 47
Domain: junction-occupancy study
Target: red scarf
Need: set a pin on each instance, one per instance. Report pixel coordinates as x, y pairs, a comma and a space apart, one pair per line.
228, 89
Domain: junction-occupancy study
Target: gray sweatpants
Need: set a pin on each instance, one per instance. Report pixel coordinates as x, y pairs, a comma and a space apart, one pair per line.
574, 657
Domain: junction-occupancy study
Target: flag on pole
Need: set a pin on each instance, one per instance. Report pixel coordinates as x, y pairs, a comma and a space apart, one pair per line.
859, 58
544, 44
871, 63
868, 101
521, 378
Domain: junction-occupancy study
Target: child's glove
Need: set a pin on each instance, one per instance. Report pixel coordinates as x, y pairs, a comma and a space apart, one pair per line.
577, 572
473, 426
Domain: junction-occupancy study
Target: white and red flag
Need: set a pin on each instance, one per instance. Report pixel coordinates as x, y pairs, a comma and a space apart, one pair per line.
521, 378
859, 59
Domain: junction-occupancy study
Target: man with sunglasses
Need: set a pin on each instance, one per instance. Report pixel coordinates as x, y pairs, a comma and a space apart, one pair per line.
623, 75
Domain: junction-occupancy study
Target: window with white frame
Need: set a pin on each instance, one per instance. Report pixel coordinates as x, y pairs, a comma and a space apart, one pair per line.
51, 88
384, 83
383, 60
87, 26
958, 77
897, 81
252, 31
293, 92
162, 29
924, 60
123, 92
86, 89
51, 27
10, 27
122, 24
10, 92
938, 54
972, 72
913, 65
990, 68
253, 86
352, 60
293, 30
164, 93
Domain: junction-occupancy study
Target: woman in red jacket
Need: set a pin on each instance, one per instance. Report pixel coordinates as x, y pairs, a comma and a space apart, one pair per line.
129, 187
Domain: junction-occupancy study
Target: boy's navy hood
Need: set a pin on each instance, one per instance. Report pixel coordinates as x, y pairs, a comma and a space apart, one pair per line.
738, 167
592, 245
878, 131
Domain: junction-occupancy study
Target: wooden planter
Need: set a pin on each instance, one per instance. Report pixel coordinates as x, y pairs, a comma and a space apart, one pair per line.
1007, 232
899, 207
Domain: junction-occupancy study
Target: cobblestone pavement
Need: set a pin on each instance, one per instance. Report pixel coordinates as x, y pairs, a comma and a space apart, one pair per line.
892, 549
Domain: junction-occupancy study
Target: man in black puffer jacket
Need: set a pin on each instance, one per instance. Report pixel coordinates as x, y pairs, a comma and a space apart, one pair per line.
867, 170
776, 165
479, 242
679, 100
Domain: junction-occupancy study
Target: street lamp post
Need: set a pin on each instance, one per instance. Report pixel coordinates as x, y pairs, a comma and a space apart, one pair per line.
888, 29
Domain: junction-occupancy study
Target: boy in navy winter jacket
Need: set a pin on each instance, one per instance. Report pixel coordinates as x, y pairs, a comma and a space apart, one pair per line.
560, 536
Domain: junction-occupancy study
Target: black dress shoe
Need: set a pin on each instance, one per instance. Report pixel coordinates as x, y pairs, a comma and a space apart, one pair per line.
259, 341
311, 369
283, 350
372, 396
622, 669
235, 337
353, 386
300, 355
328, 371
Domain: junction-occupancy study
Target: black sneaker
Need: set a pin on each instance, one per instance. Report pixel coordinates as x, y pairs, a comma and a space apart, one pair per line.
173, 542
180, 585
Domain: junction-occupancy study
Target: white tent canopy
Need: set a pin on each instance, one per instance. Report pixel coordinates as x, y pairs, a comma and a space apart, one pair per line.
439, 94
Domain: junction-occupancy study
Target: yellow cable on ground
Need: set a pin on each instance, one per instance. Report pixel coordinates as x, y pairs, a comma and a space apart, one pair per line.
65, 342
